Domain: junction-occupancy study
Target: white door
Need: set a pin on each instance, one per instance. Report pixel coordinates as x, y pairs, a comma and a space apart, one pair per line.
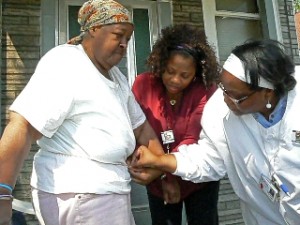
148, 21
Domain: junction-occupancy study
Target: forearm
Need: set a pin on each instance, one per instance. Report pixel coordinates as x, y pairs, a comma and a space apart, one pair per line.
146, 136
166, 163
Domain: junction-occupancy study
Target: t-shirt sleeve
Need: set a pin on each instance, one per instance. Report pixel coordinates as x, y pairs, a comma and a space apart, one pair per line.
47, 98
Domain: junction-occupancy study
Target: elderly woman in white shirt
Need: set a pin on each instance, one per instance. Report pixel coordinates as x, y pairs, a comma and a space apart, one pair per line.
80, 110
251, 132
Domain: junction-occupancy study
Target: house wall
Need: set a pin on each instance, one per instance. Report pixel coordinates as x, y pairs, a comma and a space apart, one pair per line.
288, 28
21, 52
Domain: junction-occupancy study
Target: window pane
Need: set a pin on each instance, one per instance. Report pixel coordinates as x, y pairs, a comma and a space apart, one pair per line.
234, 31
74, 27
142, 38
247, 6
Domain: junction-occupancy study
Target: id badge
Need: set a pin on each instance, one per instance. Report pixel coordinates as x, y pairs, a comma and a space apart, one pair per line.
167, 137
268, 188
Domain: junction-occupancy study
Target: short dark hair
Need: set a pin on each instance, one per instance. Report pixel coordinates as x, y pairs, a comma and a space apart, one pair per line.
186, 40
267, 59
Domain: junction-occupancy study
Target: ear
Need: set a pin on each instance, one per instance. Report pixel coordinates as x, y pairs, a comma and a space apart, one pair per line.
92, 31
269, 94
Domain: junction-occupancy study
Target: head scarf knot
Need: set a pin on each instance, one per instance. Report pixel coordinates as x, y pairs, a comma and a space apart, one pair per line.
95, 13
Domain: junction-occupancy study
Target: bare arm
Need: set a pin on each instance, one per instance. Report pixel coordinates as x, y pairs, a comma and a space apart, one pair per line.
15, 145
146, 136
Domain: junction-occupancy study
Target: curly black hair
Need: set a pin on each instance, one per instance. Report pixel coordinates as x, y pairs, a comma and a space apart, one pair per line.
184, 39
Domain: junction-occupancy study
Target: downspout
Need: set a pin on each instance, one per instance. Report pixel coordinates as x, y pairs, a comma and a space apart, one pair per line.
286, 11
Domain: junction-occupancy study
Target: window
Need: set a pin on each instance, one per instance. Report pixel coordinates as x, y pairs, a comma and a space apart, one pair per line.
229, 23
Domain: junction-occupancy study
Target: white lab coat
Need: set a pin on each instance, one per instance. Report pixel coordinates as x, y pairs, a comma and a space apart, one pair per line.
242, 148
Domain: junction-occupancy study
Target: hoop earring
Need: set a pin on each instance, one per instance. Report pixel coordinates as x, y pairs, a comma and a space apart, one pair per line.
268, 105
203, 73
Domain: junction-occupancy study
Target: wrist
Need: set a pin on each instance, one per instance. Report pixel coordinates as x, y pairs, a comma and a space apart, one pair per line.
5, 197
5, 188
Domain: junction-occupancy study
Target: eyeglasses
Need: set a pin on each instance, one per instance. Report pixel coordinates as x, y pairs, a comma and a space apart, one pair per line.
236, 101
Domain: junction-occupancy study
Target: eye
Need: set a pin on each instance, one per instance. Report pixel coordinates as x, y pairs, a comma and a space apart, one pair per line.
170, 71
118, 35
186, 76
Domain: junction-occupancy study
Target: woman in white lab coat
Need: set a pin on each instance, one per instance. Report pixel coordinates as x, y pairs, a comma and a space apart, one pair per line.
251, 132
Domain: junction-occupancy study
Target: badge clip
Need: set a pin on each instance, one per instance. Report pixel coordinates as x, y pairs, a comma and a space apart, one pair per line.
296, 136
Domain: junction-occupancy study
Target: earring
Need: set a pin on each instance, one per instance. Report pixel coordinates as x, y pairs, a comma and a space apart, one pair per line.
203, 73
268, 105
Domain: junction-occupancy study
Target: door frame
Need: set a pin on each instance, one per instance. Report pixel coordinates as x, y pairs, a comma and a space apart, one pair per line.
54, 18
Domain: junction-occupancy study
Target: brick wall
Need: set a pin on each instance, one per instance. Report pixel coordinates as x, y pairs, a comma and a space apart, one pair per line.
288, 29
20, 54
188, 11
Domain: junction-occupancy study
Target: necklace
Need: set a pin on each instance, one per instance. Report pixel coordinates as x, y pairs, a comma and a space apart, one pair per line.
173, 102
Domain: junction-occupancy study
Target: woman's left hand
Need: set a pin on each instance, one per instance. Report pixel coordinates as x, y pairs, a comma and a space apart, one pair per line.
143, 176
171, 191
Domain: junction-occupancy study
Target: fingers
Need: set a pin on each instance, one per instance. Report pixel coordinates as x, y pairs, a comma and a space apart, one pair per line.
171, 191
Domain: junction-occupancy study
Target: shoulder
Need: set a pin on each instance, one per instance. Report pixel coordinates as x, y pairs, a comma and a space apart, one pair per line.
64, 50
143, 77
63, 56
215, 108
144, 81
198, 92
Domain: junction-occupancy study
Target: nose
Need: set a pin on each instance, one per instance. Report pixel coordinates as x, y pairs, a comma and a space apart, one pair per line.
124, 46
175, 79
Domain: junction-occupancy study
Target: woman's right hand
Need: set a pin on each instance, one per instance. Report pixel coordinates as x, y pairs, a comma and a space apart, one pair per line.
5, 212
143, 157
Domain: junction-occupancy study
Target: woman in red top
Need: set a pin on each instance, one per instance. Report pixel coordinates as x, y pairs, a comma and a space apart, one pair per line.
183, 68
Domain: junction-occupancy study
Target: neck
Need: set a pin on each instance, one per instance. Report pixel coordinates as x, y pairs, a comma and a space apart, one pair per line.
91, 56
267, 112
174, 99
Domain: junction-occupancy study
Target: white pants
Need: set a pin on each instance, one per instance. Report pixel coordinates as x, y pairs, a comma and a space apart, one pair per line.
83, 209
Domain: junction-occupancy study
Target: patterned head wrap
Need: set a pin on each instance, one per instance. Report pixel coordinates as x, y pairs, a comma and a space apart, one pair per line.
95, 13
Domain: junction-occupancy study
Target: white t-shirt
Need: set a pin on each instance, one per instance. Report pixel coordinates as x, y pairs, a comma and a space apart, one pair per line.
87, 122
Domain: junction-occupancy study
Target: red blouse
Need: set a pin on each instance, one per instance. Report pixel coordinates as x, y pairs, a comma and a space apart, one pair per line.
150, 93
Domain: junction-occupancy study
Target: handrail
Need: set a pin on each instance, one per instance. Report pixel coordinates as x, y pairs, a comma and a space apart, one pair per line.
23, 206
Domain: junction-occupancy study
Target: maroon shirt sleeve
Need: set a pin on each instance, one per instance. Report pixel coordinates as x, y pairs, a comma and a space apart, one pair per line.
194, 103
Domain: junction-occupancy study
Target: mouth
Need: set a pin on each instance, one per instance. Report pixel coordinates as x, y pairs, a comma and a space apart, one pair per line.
173, 89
